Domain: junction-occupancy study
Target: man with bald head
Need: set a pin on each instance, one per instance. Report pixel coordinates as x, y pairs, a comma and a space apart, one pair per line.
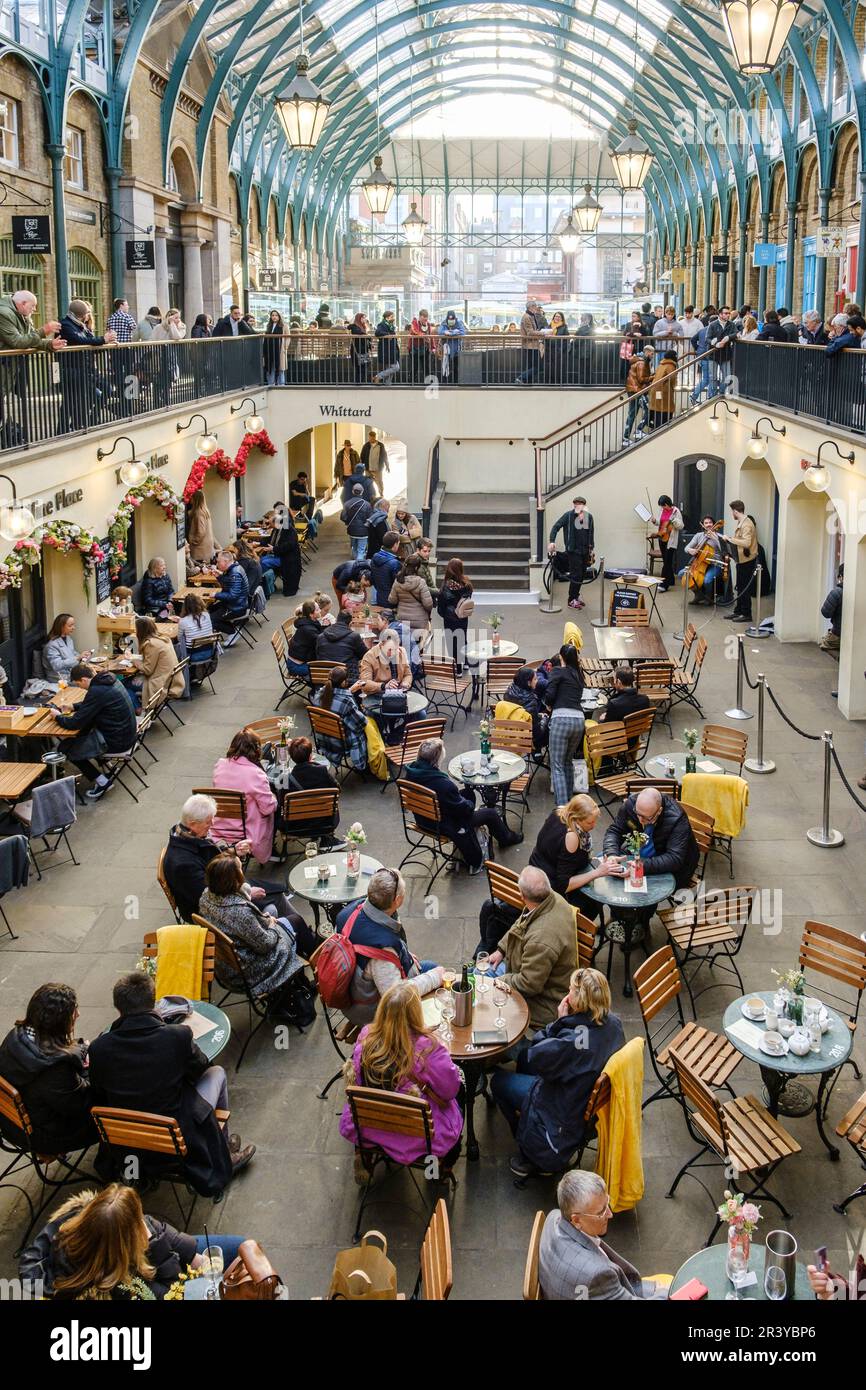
540, 949
671, 848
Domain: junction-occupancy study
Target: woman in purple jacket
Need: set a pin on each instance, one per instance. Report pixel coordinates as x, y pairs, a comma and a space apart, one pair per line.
396, 1052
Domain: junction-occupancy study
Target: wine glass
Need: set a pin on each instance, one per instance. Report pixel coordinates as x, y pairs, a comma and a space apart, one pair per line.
447, 1010
211, 1267
482, 965
774, 1282
500, 995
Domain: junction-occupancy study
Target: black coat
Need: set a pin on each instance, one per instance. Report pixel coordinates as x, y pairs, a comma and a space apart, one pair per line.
624, 702
222, 328
567, 1066
156, 594
676, 848
772, 333
302, 647
253, 571
355, 514
186, 859
448, 601
576, 539
55, 1088
455, 810
339, 642
105, 707
142, 1063
367, 483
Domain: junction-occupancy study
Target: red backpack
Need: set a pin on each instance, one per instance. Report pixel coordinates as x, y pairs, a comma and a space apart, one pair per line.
336, 963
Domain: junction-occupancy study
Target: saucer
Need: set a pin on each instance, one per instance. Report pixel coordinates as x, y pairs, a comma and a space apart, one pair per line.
771, 1052
757, 1017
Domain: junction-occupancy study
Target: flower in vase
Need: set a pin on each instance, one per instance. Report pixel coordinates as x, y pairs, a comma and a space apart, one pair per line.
356, 834
690, 739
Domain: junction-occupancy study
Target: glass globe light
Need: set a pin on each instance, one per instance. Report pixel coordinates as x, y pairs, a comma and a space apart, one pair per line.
817, 478
757, 446
253, 424
716, 424
16, 522
206, 444
133, 472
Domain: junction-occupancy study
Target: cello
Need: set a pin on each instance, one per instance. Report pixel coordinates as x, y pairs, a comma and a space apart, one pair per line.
696, 572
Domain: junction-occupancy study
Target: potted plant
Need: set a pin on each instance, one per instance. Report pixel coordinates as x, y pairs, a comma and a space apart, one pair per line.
792, 984
633, 842
355, 838
690, 742
742, 1218
494, 622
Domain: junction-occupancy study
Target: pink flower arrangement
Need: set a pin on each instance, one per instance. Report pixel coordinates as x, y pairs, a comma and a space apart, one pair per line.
737, 1212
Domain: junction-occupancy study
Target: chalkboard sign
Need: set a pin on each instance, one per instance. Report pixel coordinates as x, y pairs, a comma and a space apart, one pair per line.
103, 574
181, 528
621, 599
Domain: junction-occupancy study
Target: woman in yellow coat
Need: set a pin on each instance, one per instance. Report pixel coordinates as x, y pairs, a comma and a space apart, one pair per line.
157, 662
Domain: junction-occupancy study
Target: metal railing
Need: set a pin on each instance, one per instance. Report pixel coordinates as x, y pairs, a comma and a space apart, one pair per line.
804, 380
46, 394
431, 484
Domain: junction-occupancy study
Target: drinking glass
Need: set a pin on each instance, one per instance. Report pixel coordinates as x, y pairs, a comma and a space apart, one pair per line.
774, 1282
212, 1265
500, 994
482, 965
447, 1009
311, 849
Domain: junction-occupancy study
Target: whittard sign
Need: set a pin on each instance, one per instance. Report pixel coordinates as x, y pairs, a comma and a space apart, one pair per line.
345, 412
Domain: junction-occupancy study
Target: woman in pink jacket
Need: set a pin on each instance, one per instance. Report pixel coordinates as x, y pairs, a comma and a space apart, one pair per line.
241, 771
396, 1052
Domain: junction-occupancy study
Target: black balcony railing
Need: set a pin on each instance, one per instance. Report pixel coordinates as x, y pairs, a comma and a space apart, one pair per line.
47, 394
805, 381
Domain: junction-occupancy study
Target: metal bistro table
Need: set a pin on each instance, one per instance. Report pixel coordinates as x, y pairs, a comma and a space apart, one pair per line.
658, 767
708, 1266
479, 654
633, 910
338, 890
630, 644
416, 703
472, 1060
777, 1072
213, 1041
494, 784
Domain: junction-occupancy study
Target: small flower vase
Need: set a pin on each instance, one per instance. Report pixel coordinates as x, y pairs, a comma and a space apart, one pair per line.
282, 752
495, 643
353, 863
691, 761
795, 1009
739, 1244
635, 873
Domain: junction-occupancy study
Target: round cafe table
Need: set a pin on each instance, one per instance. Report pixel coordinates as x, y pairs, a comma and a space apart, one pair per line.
337, 890
658, 767
709, 1267
777, 1072
216, 1039
494, 784
630, 910
473, 1061
483, 651
416, 703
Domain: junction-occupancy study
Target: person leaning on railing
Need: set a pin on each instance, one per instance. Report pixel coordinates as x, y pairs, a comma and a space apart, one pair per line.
846, 332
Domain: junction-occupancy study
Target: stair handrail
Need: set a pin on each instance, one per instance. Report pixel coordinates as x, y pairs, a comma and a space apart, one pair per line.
432, 480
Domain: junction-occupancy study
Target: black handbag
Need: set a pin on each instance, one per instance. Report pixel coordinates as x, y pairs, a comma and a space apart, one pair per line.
394, 702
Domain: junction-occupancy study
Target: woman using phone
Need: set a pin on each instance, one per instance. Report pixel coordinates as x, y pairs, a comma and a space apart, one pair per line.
564, 848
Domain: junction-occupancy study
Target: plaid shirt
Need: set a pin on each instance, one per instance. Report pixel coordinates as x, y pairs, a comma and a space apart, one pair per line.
355, 722
123, 324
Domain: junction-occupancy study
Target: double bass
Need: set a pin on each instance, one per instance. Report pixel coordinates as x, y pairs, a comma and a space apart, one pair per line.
697, 570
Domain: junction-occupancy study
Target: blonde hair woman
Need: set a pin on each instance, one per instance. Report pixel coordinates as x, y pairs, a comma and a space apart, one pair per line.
199, 529
545, 1098
397, 1052
564, 851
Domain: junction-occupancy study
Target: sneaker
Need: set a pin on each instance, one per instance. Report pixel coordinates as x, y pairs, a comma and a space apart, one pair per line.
579, 603
475, 869
625, 441
96, 793
241, 1159
575, 603
230, 641
639, 434
522, 1168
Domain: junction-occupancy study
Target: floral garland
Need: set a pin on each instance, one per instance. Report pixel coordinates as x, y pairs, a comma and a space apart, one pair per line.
226, 467
63, 536
155, 489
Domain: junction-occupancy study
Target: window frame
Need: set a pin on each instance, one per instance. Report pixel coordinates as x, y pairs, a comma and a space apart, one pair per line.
12, 106
70, 134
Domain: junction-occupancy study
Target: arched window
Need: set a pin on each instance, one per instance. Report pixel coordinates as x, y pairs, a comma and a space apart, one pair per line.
85, 282
20, 272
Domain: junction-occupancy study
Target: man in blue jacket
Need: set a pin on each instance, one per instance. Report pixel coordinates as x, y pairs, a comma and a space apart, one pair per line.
384, 567
104, 721
849, 333
234, 597
459, 816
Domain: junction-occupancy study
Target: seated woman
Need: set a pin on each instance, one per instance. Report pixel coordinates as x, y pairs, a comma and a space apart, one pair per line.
194, 619
249, 563
326, 617
355, 596
59, 654
545, 1098
522, 692
42, 1059
563, 851
336, 696
100, 1245
397, 1052
241, 771
157, 662
156, 590
266, 945
302, 645
309, 776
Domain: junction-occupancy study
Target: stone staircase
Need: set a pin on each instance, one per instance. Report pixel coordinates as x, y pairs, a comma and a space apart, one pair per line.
491, 536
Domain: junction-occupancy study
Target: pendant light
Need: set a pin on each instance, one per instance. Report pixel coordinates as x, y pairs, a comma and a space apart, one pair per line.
632, 157
414, 226
587, 211
757, 31
378, 188
302, 109
569, 237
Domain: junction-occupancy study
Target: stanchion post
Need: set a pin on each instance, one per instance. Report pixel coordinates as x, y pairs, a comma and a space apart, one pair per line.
681, 636
738, 712
760, 764
601, 620
755, 629
551, 606
823, 835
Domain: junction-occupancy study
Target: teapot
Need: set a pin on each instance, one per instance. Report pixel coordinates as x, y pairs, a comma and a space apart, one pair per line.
799, 1042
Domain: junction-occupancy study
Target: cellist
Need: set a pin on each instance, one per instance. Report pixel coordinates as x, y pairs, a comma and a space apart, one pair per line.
705, 560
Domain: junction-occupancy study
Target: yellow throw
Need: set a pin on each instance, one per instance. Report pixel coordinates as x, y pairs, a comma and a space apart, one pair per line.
180, 953
619, 1128
376, 760
724, 798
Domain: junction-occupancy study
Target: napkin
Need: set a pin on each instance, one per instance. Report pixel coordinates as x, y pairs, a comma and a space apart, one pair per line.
746, 1032
706, 766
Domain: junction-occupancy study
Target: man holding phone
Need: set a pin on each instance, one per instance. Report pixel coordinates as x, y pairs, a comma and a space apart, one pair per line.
670, 847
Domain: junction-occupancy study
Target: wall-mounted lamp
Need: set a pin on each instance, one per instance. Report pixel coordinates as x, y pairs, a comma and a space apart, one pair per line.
133, 471
759, 443
206, 443
16, 521
817, 475
254, 422
716, 423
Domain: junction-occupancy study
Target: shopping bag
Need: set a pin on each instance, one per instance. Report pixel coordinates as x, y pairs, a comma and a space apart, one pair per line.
581, 776
364, 1272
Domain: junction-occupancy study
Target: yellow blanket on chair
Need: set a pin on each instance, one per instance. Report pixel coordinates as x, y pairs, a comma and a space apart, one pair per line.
180, 953
507, 709
376, 760
572, 635
619, 1128
722, 797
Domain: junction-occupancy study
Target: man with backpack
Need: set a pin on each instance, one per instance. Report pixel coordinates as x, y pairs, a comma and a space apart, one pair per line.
354, 517
368, 952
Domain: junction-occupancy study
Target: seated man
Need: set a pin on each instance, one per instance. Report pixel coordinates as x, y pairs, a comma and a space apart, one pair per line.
540, 950
301, 499
384, 667
342, 643
105, 721
573, 1260
379, 941
190, 850
670, 847
459, 816
625, 699
142, 1063
832, 609
233, 600
706, 536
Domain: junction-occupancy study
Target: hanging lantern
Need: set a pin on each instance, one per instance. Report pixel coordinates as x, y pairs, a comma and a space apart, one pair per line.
587, 211
569, 237
817, 477
631, 159
16, 522
414, 226
757, 31
206, 444
254, 423
378, 189
133, 472
302, 109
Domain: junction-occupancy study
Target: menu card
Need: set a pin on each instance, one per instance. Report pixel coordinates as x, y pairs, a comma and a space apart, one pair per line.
748, 1033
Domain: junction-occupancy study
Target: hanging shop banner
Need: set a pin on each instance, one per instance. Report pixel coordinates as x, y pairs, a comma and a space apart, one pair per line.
31, 236
267, 279
721, 265
830, 241
140, 255
764, 253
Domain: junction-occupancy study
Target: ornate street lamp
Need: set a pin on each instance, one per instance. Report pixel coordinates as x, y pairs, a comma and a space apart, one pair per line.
631, 160
414, 226
757, 31
587, 211
302, 109
569, 237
